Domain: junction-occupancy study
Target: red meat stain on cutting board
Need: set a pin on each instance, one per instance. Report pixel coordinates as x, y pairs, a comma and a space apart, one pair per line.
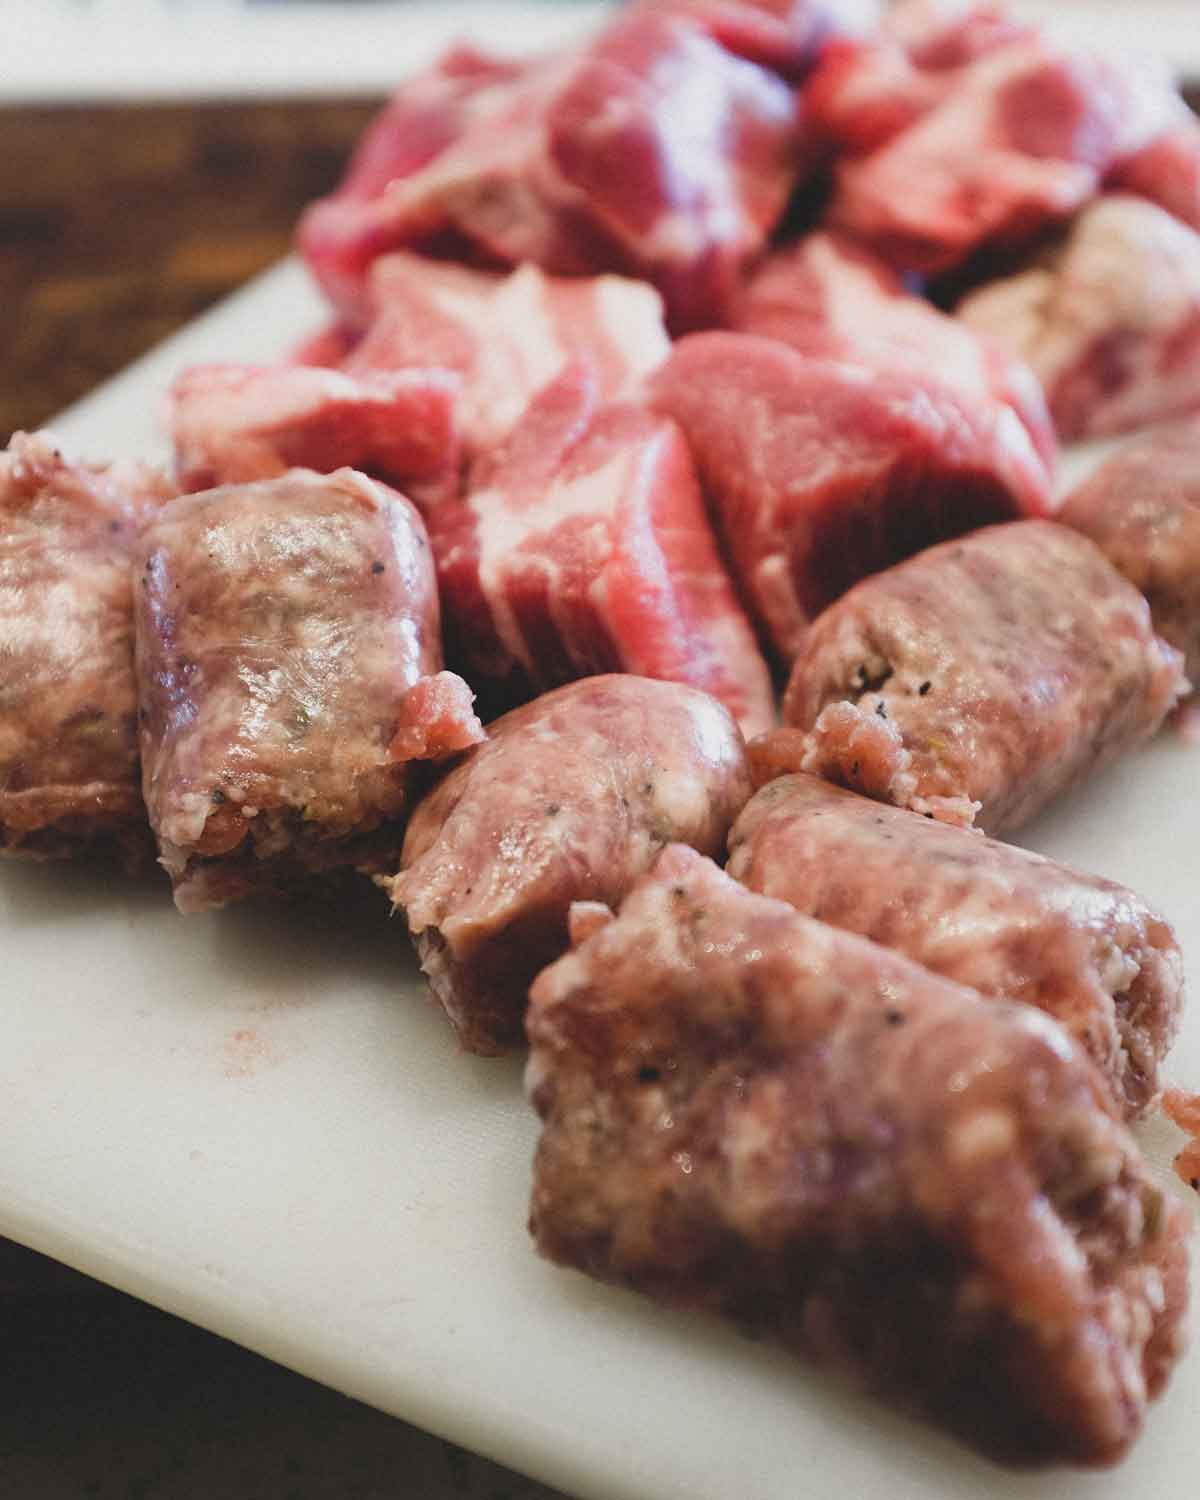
246, 1052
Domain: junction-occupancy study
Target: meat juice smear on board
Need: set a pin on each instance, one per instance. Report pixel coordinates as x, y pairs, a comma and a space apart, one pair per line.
901, 252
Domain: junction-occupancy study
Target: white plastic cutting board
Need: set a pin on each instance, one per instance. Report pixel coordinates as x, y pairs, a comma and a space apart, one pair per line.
256, 1120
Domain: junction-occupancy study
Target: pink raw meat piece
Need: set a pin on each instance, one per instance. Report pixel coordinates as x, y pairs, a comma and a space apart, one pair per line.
784, 35
866, 91
327, 348
508, 336
830, 297
436, 720
821, 472
1022, 139
449, 361
862, 94
941, 34
1167, 170
653, 151
1110, 323
426, 116
232, 424
582, 548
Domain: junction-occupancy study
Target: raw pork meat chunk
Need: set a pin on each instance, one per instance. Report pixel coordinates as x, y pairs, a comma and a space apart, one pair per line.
449, 360
232, 424
68, 705
750, 1112
1021, 139
508, 336
1110, 322
820, 471
652, 152
785, 35
830, 297
288, 661
571, 799
864, 92
1167, 170
1006, 922
1142, 509
340, 236
583, 547
977, 681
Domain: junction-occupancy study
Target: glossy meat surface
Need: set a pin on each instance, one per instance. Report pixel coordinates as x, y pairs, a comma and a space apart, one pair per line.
652, 151
68, 706
981, 678
1110, 324
1019, 140
820, 472
1142, 509
281, 628
583, 547
753, 1113
1006, 922
829, 297
233, 424
570, 799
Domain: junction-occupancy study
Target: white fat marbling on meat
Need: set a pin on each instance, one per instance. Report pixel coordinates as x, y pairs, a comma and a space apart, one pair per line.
630, 315
1125, 285
503, 528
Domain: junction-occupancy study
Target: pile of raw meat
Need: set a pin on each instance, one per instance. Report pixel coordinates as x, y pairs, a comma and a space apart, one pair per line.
727, 351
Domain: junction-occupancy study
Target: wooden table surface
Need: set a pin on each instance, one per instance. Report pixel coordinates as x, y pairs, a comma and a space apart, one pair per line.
118, 225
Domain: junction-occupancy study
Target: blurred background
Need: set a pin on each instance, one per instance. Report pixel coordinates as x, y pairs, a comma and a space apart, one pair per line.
154, 154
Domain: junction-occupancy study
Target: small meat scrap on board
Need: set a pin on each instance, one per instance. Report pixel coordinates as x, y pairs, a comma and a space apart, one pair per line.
752, 1113
69, 779
975, 682
1110, 321
288, 659
1006, 922
233, 424
508, 336
1020, 140
784, 35
651, 151
570, 800
1142, 509
820, 471
583, 546
831, 298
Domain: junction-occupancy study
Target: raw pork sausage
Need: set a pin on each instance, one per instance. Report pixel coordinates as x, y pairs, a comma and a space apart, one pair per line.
1002, 920
571, 799
288, 655
750, 1112
68, 705
978, 680
1142, 509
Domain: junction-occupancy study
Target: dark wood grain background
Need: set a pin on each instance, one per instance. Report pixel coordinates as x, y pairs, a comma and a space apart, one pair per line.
117, 226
